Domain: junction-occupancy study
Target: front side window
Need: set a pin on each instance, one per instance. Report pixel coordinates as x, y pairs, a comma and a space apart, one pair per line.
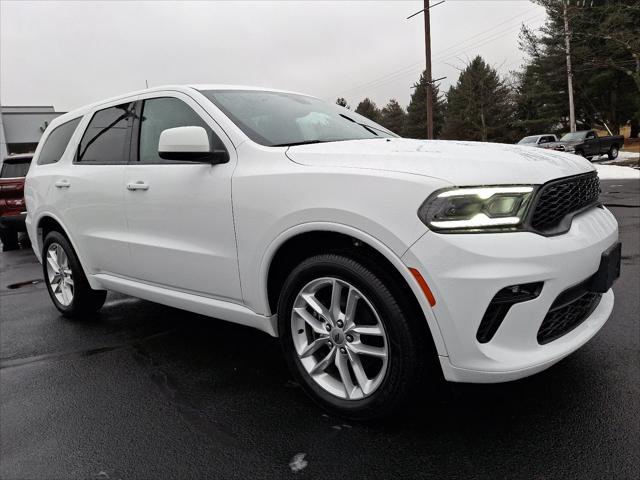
57, 141
159, 114
108, 136
277, 119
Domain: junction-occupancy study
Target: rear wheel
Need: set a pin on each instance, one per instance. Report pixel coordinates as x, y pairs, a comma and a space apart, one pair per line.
613, 152
66, 282
348, 340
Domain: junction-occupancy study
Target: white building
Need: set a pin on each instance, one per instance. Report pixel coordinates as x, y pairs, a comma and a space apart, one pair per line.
22, 127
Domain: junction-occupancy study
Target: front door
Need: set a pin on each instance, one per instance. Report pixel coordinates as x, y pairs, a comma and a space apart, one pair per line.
179, 213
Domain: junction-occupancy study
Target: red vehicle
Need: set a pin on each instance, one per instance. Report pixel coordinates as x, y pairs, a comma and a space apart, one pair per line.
12, 208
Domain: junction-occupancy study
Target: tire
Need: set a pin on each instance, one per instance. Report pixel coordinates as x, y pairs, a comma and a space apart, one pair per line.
80, 299
403, 337
9, 239
613, 152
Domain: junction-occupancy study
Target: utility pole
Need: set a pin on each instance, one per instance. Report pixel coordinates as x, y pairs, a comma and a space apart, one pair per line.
427, 51
567, 44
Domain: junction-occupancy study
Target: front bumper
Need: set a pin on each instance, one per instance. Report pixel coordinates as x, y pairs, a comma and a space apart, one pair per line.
465, 271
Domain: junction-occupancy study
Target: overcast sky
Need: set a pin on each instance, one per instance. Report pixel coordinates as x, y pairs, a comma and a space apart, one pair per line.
68, 54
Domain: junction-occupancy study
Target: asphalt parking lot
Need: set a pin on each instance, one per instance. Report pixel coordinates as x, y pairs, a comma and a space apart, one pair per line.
147, 391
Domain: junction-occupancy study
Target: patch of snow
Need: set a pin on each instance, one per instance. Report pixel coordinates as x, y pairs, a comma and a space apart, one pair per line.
616, 172
628, 155
298, 462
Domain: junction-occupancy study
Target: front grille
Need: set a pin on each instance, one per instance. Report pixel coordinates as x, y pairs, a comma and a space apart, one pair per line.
558, 200
564, 317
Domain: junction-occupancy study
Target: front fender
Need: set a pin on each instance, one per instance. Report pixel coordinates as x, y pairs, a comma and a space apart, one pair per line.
393, 257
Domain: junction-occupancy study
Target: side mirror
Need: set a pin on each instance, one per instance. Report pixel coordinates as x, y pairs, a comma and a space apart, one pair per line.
189, 144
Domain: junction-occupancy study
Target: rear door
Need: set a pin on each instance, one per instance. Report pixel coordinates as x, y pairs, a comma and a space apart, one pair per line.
89, 191
179, 213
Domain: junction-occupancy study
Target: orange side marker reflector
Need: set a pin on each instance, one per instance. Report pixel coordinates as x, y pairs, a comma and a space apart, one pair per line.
423, 285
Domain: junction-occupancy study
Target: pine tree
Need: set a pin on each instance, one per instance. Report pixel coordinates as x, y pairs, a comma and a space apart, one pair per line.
342, 102
479, 106
368, 109
416, 121
605, 48
393, 117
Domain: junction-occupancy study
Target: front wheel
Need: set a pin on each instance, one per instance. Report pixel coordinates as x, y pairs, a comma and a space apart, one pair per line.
613, 152
351, 344
66, 282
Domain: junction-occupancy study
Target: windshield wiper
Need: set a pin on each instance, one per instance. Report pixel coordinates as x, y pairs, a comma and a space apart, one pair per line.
305, 142
369, 128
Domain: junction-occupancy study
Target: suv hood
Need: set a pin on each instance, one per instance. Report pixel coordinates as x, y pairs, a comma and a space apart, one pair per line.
461, 163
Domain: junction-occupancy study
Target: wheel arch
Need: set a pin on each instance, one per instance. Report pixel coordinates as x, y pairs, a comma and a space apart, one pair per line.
305, 240
48, 222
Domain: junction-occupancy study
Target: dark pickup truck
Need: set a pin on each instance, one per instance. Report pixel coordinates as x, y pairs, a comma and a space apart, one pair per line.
12, 209
588, 144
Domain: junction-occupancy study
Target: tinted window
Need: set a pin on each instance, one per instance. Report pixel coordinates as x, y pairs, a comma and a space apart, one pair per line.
57, 141
11, 169
591, 135
159, 114
278, 119
108, 136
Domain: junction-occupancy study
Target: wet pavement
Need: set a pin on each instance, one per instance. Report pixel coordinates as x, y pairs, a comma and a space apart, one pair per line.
147, 391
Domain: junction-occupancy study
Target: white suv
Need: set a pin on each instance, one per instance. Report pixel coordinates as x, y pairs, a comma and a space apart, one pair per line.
371, 256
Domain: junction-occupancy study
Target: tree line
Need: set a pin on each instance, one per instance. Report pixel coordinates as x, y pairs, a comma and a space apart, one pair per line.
485, 106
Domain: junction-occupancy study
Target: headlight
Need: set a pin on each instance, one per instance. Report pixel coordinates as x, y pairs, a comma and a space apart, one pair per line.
477, 209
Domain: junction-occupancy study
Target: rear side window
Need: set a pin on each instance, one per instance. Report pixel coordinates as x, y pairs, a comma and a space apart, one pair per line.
108, 136
15, 169
57, 141
159, 114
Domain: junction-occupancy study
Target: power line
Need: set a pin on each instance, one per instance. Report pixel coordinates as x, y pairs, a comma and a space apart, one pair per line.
444, 54
413, 68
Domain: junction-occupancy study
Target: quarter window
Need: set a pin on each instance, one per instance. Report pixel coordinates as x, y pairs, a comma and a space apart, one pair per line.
108, 136
159, 114
57, 141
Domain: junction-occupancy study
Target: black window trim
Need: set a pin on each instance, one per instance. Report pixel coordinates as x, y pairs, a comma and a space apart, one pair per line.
130, 135
79, 120
134, 153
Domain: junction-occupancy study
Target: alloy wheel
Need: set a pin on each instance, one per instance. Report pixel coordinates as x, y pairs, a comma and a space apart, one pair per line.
59, 274
339, 337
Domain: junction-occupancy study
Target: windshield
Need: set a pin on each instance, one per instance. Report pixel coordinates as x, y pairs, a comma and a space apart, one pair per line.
526, 140
282, 119
15, 169
572, 137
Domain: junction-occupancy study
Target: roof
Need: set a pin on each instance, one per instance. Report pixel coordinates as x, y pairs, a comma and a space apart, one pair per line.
180, 88
18, 157
8, 109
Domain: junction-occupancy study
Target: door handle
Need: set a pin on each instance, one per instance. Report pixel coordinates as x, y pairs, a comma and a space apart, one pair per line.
62, 184
139, 185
